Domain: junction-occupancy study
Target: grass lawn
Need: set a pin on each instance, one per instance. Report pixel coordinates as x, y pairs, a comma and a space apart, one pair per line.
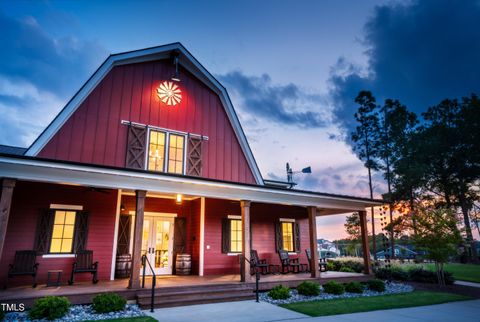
462, 272
136, 319
364, 304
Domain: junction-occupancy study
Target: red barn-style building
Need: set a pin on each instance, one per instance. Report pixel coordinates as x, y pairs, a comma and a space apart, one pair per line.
139, 164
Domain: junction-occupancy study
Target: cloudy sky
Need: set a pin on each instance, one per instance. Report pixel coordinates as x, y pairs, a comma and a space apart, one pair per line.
291, 68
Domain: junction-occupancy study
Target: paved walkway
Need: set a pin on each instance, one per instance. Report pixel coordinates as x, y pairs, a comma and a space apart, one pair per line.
465, 283
249, 311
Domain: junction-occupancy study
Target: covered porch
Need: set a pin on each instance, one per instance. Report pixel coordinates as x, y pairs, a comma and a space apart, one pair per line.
109, 194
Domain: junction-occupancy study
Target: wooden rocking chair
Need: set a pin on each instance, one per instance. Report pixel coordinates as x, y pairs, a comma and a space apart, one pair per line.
322, 263
24, 264
255, 263
84, 264
289, 264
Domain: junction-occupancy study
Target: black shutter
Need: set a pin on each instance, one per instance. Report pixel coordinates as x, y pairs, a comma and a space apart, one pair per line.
123, 240
44, 231
278, 236
180, 235
225, 235
194, 156
297, 238
81, 231
136, 147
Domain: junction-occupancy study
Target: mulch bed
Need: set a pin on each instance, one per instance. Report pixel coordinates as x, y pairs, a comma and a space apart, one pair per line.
455, 289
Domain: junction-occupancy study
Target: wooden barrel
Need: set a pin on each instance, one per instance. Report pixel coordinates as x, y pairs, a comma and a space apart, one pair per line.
122, 266
183, 264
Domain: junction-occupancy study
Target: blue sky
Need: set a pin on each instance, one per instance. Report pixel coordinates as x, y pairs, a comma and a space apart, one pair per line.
292, 68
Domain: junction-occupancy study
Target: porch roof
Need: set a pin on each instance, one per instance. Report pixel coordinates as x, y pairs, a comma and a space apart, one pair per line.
65, 172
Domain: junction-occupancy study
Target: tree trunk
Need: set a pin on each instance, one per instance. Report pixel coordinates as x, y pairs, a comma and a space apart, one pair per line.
468, 228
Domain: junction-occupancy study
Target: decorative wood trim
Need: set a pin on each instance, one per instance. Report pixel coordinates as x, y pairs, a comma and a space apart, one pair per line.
115, 233
66, 207
202, 237
136, 147
365, 246
58, 256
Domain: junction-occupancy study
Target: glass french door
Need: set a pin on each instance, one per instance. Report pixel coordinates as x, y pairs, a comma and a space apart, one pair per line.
157, 244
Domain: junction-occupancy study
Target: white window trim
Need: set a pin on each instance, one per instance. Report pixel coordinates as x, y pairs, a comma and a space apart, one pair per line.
167, 148
234, 254
235, 217
287, 219
154, 214
66, 207
66, 255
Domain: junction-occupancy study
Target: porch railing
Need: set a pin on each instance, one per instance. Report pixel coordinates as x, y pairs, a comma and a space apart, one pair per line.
146, 262
257, 275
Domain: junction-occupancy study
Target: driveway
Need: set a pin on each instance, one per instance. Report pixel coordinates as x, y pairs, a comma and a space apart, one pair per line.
249, 311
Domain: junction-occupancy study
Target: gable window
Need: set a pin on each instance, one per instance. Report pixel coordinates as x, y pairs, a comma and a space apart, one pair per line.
232, 234
287, 236
166, 152
176, 147
63, 229
156, 151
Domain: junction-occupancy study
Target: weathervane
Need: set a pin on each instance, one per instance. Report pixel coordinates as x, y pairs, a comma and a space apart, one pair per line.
290, 174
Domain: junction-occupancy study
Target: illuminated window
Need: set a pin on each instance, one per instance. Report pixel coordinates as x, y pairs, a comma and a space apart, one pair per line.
287, 236
175, 153
166, 145
235, 236
156, 151
62, 234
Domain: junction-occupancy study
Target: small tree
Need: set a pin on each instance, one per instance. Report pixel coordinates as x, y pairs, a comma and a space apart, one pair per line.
438, 234
352, 227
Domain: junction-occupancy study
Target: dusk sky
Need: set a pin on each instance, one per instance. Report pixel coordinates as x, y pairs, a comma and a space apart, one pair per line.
292, 68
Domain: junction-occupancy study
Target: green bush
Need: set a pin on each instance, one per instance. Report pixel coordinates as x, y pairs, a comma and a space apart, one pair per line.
394, 273
356, 265
108, 302
279, 292
346, 269
376, 285
330, 265
415, 274
50, 308
354, 287
333, 287
308, 288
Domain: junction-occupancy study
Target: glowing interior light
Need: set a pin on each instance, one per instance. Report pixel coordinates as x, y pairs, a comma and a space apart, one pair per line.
179, 198
169, 93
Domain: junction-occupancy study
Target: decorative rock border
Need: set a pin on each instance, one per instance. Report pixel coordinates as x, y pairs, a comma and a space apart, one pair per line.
82, 313
390, 288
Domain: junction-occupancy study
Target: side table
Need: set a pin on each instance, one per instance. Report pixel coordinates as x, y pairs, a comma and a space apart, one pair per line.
54, 277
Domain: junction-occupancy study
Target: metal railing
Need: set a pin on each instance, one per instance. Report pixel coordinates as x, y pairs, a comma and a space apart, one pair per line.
145, 261
257, 275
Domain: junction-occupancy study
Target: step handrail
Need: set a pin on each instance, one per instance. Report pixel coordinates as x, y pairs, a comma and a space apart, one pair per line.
257, 276
145, 261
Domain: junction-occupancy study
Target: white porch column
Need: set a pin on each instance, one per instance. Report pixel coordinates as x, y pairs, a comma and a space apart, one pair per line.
245, 266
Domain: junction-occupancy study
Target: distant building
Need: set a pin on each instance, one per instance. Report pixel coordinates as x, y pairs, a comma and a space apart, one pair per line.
405, 252
327, 249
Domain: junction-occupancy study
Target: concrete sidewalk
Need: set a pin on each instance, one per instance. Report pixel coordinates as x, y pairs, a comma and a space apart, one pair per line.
249, 311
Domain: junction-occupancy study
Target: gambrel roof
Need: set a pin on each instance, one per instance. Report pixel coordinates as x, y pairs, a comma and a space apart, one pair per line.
186, 60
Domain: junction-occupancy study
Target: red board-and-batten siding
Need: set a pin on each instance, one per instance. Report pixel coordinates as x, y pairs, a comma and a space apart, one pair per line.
94, 133
30, 198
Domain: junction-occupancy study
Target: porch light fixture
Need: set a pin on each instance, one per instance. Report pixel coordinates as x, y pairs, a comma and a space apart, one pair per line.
169, 93
175, 77
179, 199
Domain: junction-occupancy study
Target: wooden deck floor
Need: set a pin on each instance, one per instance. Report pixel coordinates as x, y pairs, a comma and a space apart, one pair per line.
82, 292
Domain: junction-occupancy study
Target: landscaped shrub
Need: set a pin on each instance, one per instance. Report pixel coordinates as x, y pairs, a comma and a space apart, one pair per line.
330, 265
354, 263
346, 269
308, 288
333, 287
376, 285
279, 292
354, 287
50, 308
108, 302
394, 273
415, 274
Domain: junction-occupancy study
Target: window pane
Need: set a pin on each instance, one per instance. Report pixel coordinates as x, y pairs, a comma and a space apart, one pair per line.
235, 235
63, 230
156, 151
287, 234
